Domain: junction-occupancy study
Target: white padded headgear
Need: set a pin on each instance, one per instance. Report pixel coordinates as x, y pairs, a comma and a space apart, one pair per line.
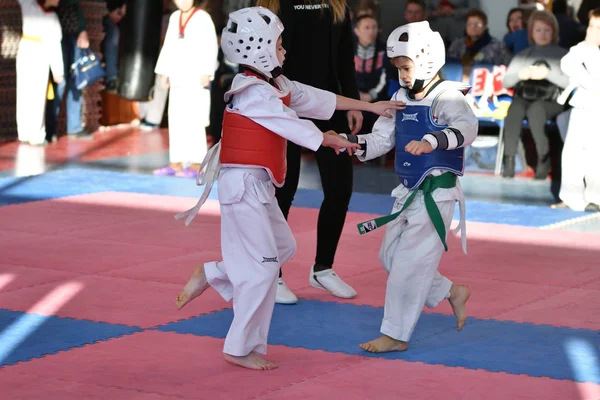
250, 38
424, 47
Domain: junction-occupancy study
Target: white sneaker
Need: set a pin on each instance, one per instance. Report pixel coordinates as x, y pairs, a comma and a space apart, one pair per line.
284, 294
330, 281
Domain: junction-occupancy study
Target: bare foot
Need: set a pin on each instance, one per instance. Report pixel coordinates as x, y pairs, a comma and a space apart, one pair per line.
194, 288
459, 294
251, 361
384, 344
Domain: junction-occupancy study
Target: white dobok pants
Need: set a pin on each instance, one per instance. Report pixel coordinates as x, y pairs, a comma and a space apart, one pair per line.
255, 241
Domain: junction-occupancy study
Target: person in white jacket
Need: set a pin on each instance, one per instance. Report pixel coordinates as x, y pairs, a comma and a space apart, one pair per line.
263, 112
39, 53
429, 135
580, 180
187, 63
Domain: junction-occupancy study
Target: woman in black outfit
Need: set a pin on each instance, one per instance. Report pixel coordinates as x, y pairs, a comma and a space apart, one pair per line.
320, 52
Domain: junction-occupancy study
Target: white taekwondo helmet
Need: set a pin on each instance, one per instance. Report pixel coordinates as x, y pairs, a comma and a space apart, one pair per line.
250, 38
423, 46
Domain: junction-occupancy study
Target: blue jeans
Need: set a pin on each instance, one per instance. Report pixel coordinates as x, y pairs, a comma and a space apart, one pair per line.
74, 99
111, 49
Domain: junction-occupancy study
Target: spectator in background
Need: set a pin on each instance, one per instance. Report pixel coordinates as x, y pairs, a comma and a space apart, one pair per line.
478, 46
110, 45
538, 80
570, 32
370, 62
187, 64
74, 40
448, 17
580, 186
584, 10
151, 112
517, 38
39, 53
415, 11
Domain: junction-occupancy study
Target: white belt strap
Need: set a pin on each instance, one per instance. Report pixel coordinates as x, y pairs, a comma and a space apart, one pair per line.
462, 225
213, 167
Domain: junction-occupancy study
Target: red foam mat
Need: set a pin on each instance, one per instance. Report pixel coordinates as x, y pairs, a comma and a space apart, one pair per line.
191, 367
116, 300
131, 242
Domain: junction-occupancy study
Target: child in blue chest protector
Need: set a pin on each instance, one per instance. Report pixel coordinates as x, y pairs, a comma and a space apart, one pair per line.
429, 137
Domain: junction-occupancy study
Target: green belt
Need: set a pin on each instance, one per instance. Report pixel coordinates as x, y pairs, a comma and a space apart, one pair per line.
429, 184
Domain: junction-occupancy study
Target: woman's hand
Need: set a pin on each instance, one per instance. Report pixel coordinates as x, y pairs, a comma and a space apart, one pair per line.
539, 72
83, 42
525, 74
382, 107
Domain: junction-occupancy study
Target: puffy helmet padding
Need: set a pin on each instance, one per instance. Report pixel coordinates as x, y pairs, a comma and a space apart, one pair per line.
250, 38
422, 45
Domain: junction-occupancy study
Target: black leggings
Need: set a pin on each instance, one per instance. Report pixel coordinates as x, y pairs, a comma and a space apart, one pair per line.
537, 113
336, 179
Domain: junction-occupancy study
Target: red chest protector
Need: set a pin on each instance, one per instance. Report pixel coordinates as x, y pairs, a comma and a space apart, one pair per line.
245, 143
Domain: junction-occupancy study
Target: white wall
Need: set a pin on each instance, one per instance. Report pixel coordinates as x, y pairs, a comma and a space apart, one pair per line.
497, 11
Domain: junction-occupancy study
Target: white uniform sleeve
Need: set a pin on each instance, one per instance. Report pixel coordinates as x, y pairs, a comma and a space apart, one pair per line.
579, 65
165, 58
452, 109
310, 102
210, 45
381, 140
261, 105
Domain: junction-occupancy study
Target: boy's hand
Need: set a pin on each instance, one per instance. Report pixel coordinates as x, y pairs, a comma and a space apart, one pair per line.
418, 147
337, 143
381, 107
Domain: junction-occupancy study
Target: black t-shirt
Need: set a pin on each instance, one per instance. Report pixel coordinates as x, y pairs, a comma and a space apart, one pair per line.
308, 59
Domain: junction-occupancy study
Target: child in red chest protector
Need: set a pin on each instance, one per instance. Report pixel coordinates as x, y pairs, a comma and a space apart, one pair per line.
264, 111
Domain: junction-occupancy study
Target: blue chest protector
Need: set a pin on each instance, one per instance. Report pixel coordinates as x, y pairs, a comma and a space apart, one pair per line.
413, 123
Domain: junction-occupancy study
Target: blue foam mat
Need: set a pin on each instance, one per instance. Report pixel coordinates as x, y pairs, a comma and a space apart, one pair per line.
496, 346
51, 335
76, 181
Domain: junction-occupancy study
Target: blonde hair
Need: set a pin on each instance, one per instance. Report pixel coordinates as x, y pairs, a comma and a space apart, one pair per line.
338, 7
547, 18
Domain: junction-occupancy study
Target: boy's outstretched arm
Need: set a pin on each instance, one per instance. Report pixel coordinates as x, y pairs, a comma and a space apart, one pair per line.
261, 105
